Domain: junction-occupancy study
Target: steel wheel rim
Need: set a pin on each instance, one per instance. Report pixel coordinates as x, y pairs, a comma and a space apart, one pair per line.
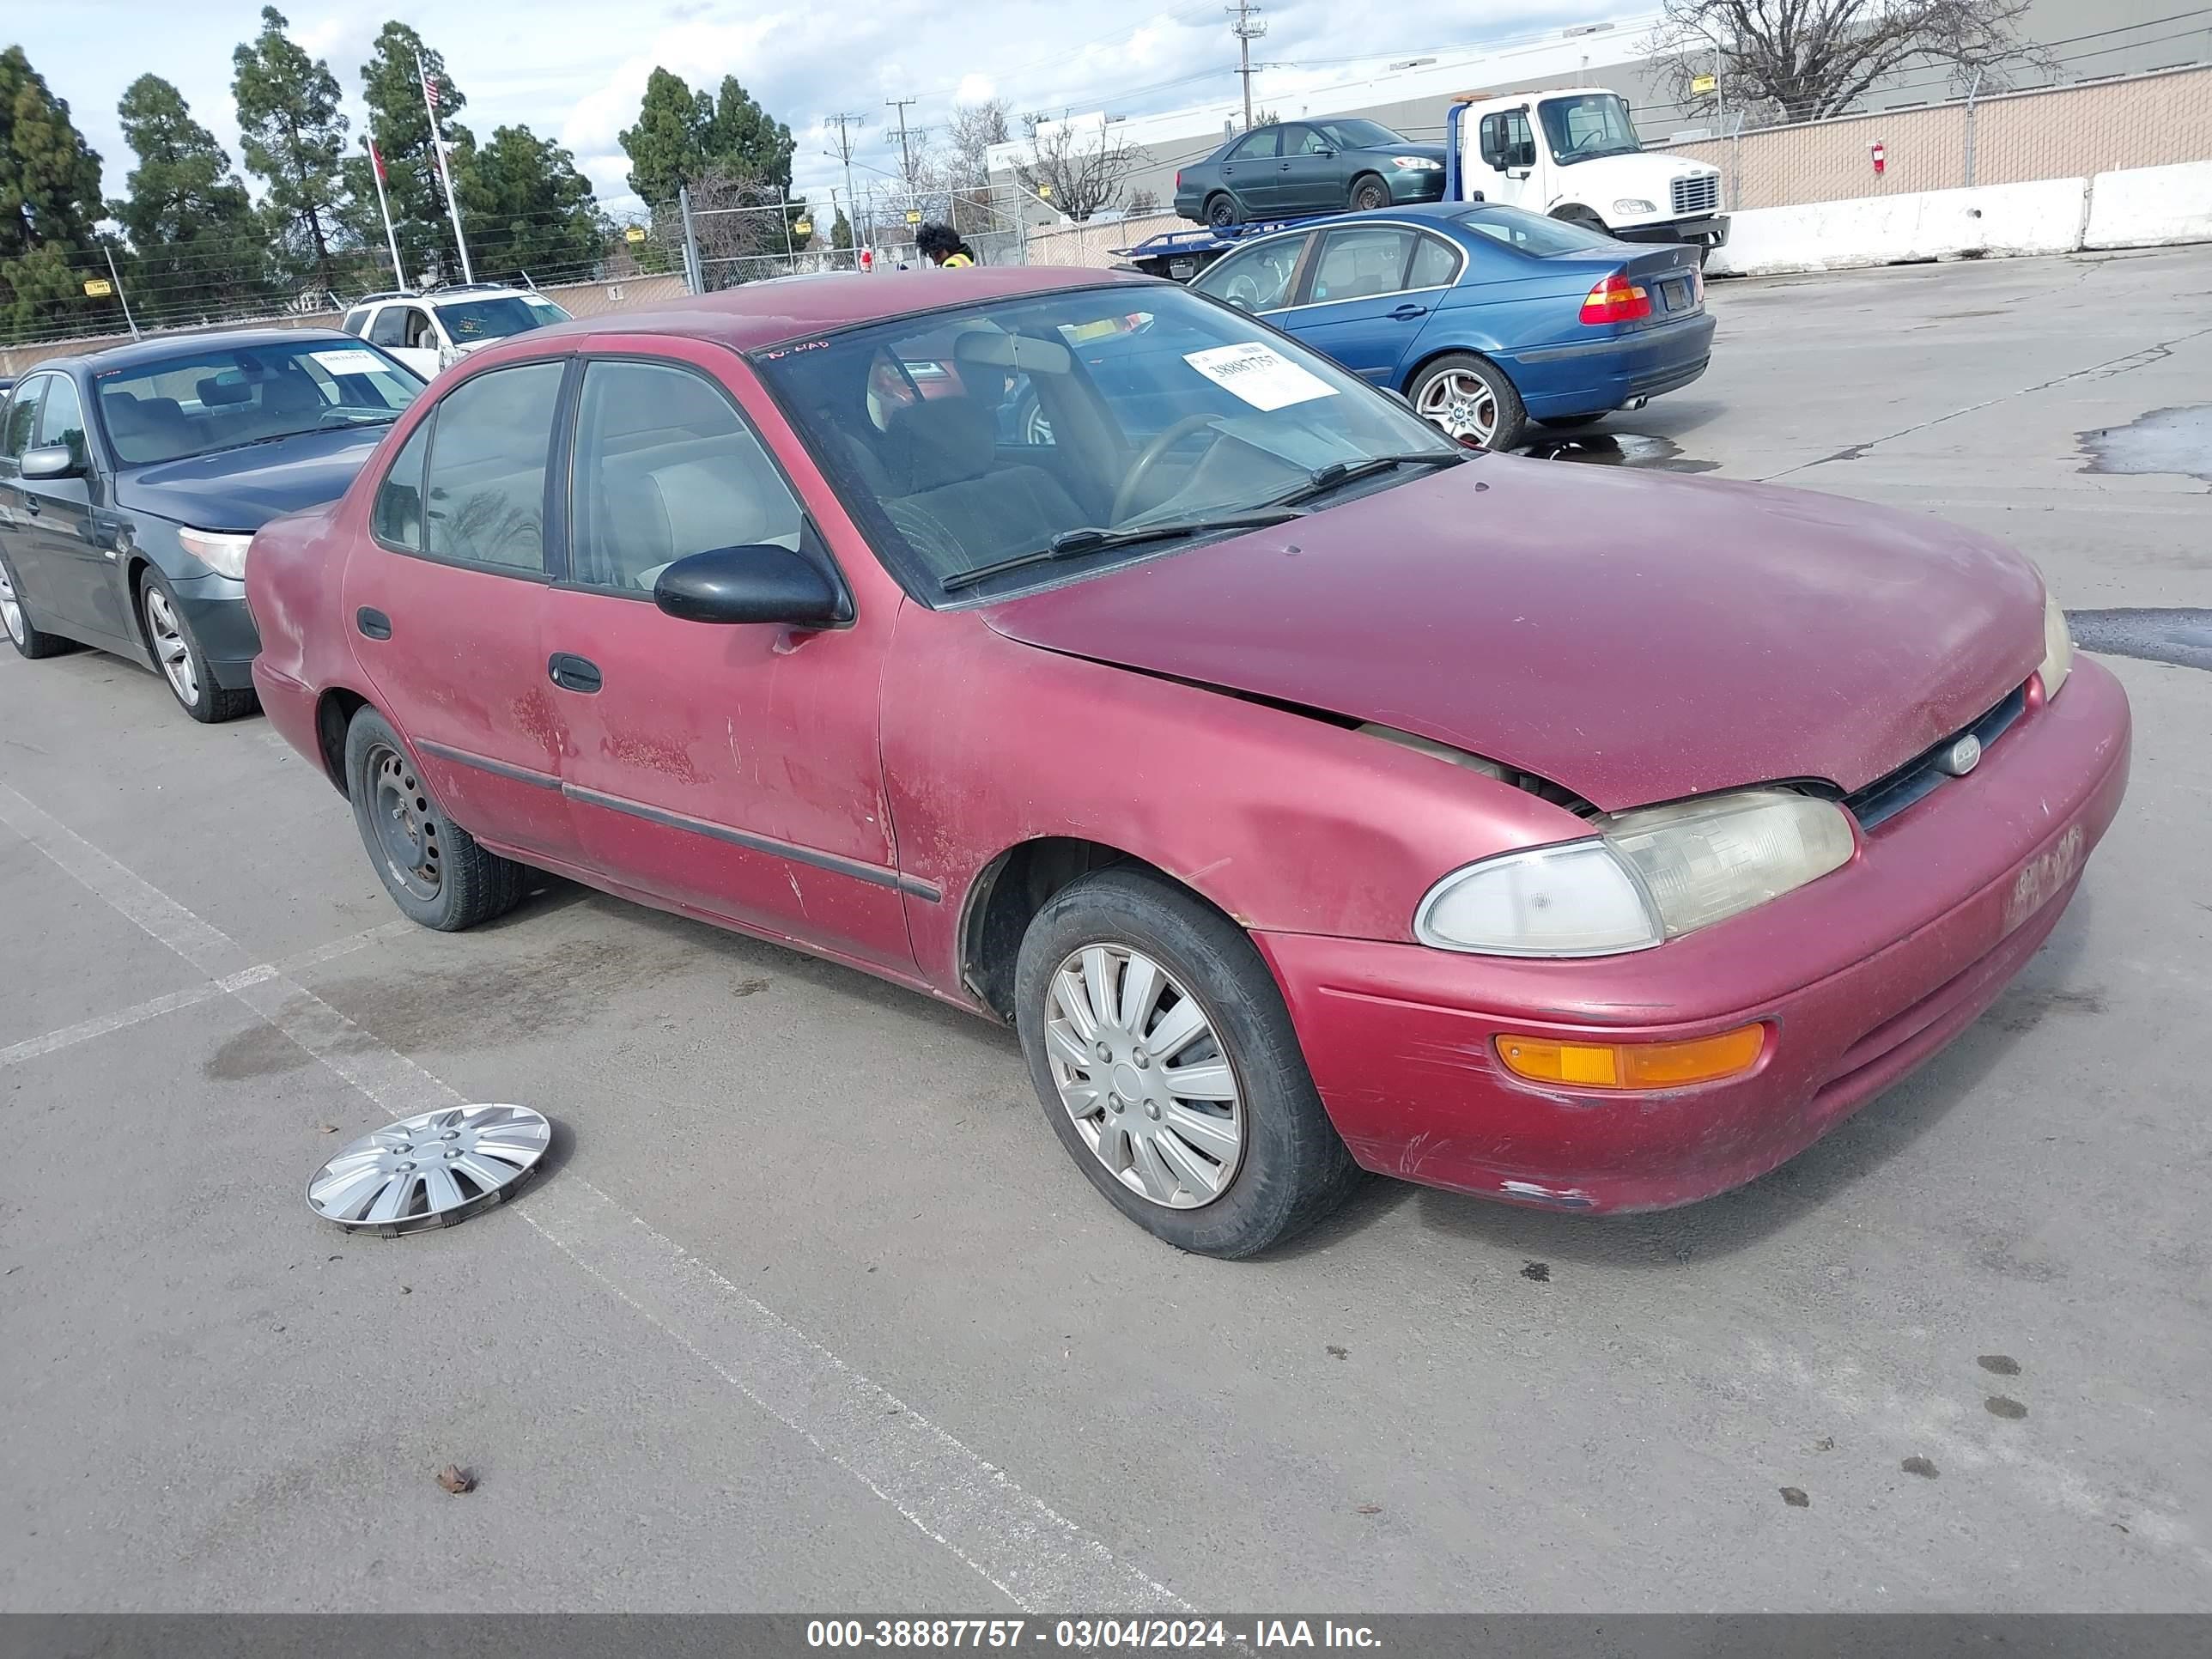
1460, 403
1221, 215
170, 648
11, 611
1369, 199
1143, 1076
406, 830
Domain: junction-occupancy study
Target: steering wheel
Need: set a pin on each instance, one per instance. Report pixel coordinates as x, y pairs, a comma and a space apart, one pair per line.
1149, 458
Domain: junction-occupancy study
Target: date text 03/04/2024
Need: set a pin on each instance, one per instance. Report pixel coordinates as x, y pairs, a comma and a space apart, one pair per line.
1084, 1635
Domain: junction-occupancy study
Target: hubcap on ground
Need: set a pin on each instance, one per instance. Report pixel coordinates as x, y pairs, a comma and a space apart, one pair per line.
1142, 1072
430, 1171
11, 612
406, 828
1462, 405
169, 648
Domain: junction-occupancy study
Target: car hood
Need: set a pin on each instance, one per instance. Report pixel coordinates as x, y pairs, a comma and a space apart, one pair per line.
1634, 637
244, 489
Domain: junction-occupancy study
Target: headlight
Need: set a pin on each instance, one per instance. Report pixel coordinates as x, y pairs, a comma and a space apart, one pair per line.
1417, 164
1633, 204
2057, 646
220, 550
1651, 875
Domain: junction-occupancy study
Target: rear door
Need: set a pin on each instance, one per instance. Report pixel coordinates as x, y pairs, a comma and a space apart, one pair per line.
1250, 169
447, 603
1358, 307
406, 331
1309, 179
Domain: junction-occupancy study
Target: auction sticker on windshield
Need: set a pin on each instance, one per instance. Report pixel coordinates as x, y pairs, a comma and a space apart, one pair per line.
349, 361
1259, 374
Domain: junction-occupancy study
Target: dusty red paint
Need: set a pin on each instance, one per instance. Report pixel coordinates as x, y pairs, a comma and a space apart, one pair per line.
1633, 638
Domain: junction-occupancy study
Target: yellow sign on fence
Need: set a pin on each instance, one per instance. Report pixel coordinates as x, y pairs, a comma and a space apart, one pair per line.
912, 217
98, 288
804, 227
634, 233
1702, 84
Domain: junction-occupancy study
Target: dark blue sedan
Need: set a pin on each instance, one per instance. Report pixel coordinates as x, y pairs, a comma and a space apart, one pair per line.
132, 480
1487, 318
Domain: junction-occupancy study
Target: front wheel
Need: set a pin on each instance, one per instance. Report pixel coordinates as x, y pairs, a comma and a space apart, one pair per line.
25, 635
177, 655
433, 868
1169, 1068
1468, 399
1368, 193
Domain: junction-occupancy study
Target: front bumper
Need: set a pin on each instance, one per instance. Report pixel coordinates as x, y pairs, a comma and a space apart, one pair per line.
1859, 977
215, 609
1710, 231
1414, 184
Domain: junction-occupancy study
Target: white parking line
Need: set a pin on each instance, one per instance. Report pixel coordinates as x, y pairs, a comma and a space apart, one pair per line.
1036, 1556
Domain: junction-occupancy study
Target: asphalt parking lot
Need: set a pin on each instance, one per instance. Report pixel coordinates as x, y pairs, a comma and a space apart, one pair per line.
812, 1312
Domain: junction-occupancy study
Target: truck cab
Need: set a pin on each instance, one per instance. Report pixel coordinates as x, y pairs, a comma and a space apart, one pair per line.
1573, 152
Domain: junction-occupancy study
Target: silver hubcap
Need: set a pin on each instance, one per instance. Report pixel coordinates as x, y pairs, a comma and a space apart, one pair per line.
431, 1170
11, 613
1141, 1071
169, 648
1462, 404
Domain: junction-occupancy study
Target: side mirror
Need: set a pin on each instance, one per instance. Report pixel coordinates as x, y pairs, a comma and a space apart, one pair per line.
761, 583
50, 461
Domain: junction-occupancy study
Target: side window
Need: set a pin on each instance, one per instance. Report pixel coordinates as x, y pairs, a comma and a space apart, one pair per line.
397, 516
22, 417
1267, 141
484, 489
1361, 261
666, 468
1255, 278
1436, 263
354, 322
61, 421
1490, 139
1520, 143
390, 328
1309, 141
420, 330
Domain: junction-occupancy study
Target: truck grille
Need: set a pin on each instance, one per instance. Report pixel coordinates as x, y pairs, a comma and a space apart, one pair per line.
1700, 194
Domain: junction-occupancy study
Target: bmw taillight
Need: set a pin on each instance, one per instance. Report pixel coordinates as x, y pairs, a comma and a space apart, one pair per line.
1616, 300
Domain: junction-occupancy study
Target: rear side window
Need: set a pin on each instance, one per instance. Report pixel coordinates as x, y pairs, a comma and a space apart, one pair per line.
485, 482
666, 468
397, 516
354, 323
22, 417
1435, 263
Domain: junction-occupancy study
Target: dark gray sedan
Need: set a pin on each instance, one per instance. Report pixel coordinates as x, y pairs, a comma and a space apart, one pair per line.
132, 480
1309, 166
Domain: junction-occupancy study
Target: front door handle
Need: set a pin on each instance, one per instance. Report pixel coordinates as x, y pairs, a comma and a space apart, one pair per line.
1407, 314
30, 504
375, 624
573, 673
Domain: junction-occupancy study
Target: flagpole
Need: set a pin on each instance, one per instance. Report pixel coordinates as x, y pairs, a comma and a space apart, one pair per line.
391, 236
445, 173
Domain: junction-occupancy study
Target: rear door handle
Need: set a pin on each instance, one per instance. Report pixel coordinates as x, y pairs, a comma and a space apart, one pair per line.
573, 673
373, 623
1407, 314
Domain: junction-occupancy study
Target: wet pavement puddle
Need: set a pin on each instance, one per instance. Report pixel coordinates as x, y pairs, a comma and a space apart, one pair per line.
2169, 634
2172, 440
1617, 449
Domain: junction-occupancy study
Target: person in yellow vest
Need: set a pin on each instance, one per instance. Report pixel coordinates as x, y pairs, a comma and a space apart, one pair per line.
941, 245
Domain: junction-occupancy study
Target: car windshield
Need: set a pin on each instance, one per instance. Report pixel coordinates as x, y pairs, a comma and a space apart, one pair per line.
470, 320
1024, 429
1533, 233
1358, 135
222, 397
1583, 129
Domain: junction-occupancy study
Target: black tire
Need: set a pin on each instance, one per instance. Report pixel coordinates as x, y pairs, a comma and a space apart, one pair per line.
1367, 194
1511, 423
163, 619
1222, 211
1583, 216
1293, 1169
1573, 422
26, 637
465, 884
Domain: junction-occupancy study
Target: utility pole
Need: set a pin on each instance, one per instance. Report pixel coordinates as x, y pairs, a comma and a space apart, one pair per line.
844, 153
906, 147
1247, 28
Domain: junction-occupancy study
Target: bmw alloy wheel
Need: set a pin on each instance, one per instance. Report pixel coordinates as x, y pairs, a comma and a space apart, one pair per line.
171, 649
1461, 405
1145, 1077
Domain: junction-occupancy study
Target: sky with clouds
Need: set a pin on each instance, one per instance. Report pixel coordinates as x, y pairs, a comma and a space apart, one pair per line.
575, 71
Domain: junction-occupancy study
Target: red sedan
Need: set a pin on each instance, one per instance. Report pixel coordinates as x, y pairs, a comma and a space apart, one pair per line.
1310, 793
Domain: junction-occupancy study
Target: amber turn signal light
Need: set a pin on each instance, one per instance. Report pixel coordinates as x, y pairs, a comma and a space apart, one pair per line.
1633, 1065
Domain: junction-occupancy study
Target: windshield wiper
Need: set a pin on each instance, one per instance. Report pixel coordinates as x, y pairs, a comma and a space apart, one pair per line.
1322, 479
1094, 539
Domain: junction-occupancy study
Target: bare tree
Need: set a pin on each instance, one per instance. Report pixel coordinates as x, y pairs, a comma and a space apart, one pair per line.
1080, 170
1811, 59
1144, 201
741, 233
972, 130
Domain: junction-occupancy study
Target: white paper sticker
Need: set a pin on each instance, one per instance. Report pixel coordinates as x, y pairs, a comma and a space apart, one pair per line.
1259, 374
349, 359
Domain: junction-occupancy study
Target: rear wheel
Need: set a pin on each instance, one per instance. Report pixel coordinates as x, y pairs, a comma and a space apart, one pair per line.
177, 655
1222, 211
1469, 398
28, 639
1168, 1067
433, 868
1368, 193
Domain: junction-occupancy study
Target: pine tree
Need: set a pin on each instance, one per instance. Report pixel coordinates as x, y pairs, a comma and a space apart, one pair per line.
528, 211
49, 204
293, 136
666, 148
195, 243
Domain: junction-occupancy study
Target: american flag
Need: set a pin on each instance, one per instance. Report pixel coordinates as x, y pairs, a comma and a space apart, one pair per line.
430, 91
375, 159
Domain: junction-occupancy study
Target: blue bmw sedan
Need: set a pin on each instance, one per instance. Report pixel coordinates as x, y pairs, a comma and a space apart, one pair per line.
1485, 316
132, 480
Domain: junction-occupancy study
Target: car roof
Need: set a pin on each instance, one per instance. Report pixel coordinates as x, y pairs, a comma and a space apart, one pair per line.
156, 347
768, 313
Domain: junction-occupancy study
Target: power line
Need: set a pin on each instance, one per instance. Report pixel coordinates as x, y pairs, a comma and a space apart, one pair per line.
906, 148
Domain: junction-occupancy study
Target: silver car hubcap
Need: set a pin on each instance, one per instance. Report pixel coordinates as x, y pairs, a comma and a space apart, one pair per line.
1462, 404
1143, 1074
431, 1170
169, 648
11, 613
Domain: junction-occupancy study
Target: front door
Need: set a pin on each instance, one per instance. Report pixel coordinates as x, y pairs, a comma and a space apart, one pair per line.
446, 605
1507, 142
1357, 308
732, 771
73, 545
